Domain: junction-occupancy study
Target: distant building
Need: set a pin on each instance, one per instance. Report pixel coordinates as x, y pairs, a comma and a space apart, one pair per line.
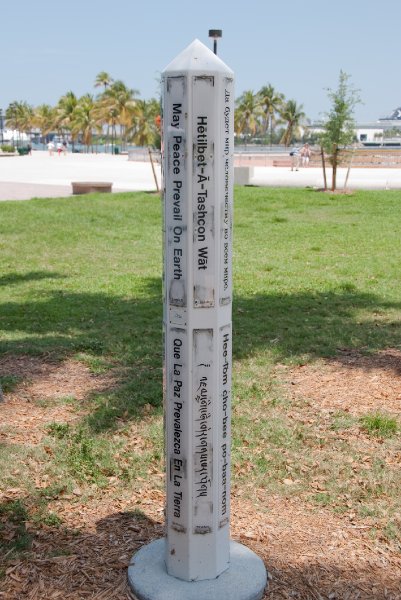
395, 116
386, 131
12, 135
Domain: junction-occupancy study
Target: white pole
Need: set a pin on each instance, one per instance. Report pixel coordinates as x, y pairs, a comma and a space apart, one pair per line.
196, 560
198, 115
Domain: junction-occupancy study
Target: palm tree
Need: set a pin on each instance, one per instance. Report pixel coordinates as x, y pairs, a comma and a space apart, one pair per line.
44, 119
20, 117
27, 118
116, 106
103, 79
293, 115
247, 114
271, 102
83, 119
64, 113
144, 130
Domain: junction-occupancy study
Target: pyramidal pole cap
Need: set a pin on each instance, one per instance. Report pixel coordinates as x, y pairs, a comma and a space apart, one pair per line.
197, 58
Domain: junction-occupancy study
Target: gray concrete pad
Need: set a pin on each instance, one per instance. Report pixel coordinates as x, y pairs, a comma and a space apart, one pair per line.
245, 579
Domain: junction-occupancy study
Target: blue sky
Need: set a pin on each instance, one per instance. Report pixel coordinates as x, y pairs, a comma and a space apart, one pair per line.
50, 47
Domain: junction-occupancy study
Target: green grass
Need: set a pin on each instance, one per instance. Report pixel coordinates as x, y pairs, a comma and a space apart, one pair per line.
8, 383
379, 425
314, 302
14, 537
313, 274
323, 273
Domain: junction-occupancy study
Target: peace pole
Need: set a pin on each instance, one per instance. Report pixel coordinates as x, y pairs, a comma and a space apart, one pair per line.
196, 560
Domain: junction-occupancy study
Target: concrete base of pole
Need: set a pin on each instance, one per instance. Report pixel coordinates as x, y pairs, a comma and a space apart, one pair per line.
245, 579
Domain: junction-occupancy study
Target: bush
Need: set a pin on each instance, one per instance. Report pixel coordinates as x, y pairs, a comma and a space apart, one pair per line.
7, 148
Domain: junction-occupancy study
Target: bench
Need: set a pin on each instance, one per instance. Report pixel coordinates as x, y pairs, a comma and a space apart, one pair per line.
282, 162
88, 187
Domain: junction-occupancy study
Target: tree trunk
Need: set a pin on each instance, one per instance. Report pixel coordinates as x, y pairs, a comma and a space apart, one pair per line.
324, 168
349, 169
335, 164
271, 131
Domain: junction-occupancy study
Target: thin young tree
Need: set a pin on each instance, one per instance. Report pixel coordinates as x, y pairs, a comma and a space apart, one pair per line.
339, 127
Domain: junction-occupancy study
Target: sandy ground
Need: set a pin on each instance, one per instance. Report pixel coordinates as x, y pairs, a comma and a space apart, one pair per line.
41, 175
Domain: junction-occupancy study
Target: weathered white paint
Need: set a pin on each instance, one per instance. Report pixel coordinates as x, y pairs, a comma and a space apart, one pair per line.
198, 112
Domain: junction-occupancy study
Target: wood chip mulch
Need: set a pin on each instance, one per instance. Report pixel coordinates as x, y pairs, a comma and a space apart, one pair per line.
34, 403
311, 553
352, 382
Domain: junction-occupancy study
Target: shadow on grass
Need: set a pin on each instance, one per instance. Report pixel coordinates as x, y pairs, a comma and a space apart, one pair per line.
124, 332
128, 333
16, 278
313, 325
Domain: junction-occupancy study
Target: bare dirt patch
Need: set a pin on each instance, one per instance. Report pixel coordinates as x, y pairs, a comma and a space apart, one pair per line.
312, 554
351, 382
38, 399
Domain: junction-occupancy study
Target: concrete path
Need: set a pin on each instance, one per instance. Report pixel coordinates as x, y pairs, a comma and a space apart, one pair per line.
366, 179
11, 190
44, 176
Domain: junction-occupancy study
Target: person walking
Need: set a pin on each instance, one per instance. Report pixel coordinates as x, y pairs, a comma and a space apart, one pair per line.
50, 147
305, 155
294, 158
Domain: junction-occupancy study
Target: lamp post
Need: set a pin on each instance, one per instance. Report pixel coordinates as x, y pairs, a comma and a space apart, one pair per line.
215, 34
1, 126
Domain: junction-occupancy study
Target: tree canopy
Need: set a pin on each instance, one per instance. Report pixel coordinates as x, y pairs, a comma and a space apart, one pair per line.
339, 125
117, 111
259, 114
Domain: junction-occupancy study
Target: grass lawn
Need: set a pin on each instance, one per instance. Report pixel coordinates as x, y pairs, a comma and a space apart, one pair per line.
316, 281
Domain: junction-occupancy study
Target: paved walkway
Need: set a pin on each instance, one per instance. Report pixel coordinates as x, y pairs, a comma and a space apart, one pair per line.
12, 190
43, 176
365, 179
